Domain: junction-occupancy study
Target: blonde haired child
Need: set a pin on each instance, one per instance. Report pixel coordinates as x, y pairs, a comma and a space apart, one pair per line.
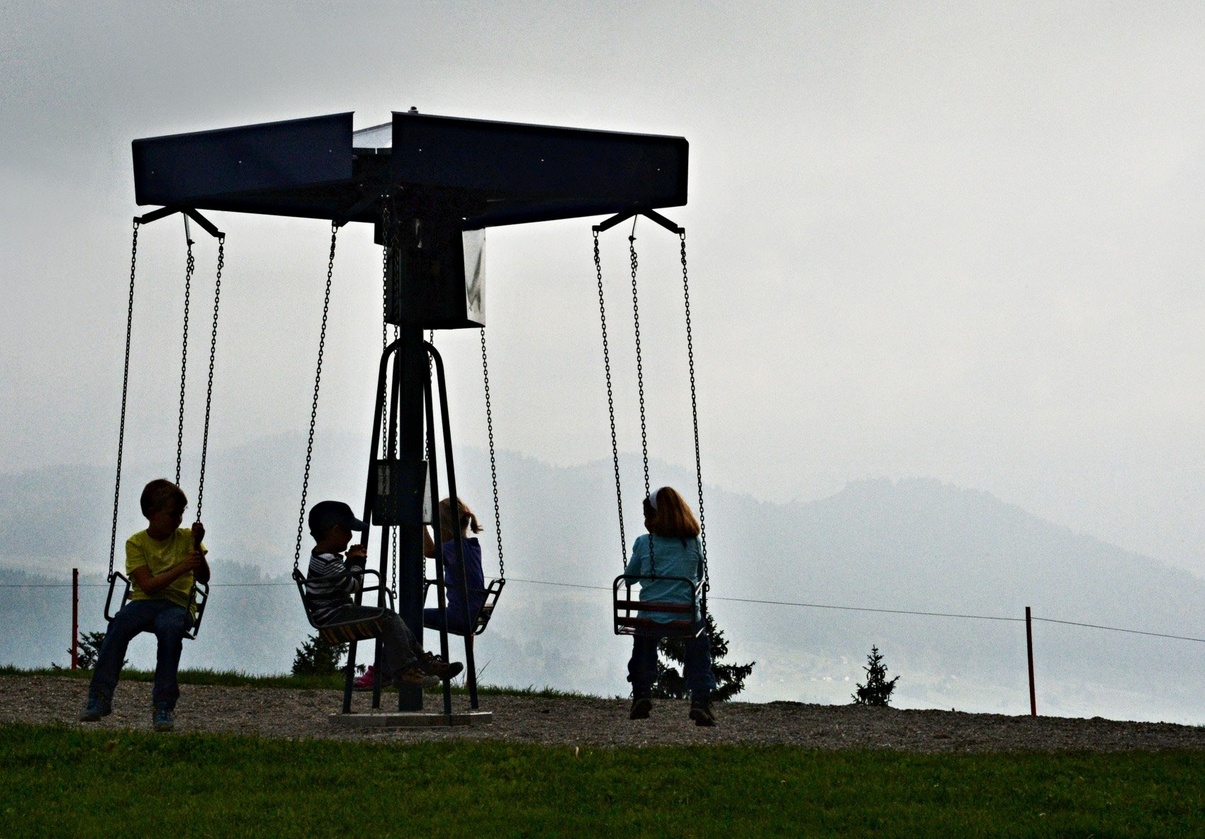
671, 548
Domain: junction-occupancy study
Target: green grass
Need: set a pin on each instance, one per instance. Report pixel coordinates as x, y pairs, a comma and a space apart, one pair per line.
60, 781
235, 678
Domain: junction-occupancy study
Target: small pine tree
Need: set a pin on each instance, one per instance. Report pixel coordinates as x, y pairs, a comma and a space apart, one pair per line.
317, 657
87, 651
671, 684
878, 688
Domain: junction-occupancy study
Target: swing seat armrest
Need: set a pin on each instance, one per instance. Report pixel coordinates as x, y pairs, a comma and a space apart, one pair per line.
200, 596
125, 594
365, 573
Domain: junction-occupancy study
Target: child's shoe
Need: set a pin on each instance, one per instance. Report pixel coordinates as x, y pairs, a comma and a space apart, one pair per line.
436, 666
162, 718
641, 706
100, 704
700, 712
414, 675
364, 681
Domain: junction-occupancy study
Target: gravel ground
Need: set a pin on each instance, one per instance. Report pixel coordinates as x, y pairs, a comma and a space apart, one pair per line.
305, 714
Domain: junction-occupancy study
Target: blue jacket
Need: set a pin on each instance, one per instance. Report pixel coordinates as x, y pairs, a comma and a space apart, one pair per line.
453, 578
671, 557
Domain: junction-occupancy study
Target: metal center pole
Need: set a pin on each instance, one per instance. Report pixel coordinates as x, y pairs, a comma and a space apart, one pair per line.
412, 374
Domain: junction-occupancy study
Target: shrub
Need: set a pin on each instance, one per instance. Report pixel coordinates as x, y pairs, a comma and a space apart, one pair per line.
316, 657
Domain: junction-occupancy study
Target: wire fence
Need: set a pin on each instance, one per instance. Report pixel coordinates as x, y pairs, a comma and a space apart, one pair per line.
537, 636
747, 600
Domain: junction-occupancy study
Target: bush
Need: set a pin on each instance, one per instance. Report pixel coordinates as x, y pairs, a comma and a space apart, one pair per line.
316, 657
878, 688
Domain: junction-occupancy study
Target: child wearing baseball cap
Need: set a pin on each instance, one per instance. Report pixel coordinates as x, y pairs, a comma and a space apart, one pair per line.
333, 579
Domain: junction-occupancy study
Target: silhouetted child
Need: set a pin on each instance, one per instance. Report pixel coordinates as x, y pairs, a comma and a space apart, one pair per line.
332, 581
672, 546
162, 563
460, 620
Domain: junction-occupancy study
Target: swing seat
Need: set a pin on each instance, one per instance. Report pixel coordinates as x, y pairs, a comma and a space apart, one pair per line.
200, 596
487, 606
341, 632
641, 617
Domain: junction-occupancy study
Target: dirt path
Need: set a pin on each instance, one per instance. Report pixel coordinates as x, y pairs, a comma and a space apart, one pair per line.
304, 714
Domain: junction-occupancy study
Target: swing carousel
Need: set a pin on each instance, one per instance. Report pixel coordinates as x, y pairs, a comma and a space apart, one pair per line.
430, 186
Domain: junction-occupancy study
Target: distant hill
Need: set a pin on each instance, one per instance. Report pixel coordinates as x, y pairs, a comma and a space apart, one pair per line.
891, 547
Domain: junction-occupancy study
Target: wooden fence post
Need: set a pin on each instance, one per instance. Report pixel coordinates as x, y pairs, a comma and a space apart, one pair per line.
1033, 697
74, 618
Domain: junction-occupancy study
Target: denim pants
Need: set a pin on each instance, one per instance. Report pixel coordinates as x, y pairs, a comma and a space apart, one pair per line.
169, 622
401, 648
642, 667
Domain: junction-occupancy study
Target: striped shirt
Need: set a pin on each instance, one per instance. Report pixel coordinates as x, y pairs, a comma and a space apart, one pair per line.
330, 585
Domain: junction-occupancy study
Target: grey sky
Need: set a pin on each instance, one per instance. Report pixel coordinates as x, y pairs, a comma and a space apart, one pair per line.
926, 239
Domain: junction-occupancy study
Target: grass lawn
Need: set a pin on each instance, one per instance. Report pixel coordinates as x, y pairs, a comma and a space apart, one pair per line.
59, 781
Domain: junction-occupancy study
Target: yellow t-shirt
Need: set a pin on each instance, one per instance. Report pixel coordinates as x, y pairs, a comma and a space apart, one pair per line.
157, 557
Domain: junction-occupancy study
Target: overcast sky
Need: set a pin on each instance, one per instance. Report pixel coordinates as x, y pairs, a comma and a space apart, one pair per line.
942, 240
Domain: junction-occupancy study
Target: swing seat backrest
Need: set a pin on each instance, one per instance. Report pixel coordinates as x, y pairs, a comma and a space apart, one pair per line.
663, 619
340, 632
487, 606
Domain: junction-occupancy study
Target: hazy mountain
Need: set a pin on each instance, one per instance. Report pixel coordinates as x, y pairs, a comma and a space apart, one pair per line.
911, 546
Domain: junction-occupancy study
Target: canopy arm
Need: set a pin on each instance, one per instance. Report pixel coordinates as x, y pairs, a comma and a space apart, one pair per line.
651, 215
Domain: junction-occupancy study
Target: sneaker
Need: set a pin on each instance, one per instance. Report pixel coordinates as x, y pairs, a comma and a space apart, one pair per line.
99, 705
414, 675
365, 680
439, 668
640, 708
700, 712
162, 718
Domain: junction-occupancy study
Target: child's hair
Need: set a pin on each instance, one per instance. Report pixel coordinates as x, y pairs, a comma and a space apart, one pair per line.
162, 494
667, 514
449, 528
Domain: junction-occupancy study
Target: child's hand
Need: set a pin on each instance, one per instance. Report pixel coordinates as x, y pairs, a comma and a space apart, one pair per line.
195, 560
357, 552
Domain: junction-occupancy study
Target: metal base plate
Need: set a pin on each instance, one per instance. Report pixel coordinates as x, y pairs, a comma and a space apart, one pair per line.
411, 719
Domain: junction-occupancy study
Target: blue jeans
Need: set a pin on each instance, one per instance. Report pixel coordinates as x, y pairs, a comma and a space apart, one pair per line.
401, 649
642, 667
169, 622
432, 620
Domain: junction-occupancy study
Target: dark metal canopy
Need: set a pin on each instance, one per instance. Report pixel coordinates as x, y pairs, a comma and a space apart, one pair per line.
481, 172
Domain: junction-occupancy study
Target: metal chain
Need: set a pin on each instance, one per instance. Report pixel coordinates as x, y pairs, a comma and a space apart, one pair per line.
189, 266
213, 345
309, 448
644, 437
125, 389
602, 309
694, 409
489, 427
